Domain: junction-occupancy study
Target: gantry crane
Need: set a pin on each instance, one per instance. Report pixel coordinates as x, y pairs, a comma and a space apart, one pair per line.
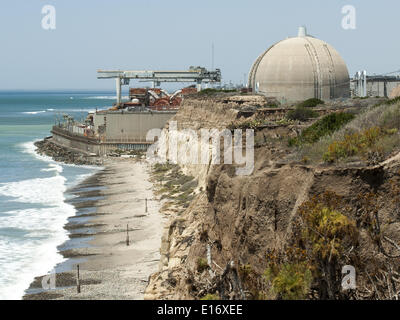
194, 74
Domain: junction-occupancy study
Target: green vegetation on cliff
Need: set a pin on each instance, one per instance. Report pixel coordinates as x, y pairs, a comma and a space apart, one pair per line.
323, 127
212, 91
289, 281
369, 136
323, 235
301, 114
358, 143
310, 103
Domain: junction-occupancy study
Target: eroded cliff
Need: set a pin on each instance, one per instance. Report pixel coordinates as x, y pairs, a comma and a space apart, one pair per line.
222, 244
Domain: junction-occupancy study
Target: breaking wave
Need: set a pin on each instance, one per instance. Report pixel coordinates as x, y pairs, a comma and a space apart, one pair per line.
30, 235
34, 112
105, 97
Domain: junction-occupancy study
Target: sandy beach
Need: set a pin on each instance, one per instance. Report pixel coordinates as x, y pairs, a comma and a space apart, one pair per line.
107, 204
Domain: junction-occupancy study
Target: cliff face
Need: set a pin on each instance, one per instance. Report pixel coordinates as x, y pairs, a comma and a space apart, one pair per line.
235, 220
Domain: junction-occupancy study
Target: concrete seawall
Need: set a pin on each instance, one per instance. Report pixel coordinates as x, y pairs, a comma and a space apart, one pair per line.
115, 130
92, 146
76, 142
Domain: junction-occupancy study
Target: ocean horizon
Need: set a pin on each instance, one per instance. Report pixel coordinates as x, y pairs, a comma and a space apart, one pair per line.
33, 188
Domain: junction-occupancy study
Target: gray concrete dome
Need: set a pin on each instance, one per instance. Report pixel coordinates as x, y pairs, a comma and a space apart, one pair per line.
300, 68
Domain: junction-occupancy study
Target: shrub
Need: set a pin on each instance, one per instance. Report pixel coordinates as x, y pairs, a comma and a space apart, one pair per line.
322, 127
162, 167
356, 143
189, 186
385, 116
361, 98
301, 114
323, 238
202, 264
391, 118
392, 101
291, 282
326, 234
310, 103
251, 282
272, 103
210, 296
326, 230
211, 91
305, 160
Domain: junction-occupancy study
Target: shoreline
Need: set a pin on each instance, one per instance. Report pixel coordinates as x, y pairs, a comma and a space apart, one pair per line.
106, 204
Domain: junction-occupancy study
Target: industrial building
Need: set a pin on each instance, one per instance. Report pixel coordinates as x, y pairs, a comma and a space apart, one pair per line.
300, 68
128, 126
125, 125
108, 130
363, 85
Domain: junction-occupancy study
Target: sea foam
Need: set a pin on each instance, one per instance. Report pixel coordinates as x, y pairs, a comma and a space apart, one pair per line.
106, 98
34, 112
39, 228
36, 252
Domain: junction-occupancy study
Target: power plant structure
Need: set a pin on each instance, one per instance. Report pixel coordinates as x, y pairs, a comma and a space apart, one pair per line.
292, 70
198, 75
125, 125
363, 85
300, 68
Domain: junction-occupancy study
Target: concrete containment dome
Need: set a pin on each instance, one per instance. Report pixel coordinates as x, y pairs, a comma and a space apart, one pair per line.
300, 68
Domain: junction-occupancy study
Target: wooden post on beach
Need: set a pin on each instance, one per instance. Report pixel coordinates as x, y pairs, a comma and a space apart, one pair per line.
146, 205
78, 283
127, 236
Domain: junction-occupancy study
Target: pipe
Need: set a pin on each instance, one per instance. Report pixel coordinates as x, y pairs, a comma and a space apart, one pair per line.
153, 94
118, 86
175, 94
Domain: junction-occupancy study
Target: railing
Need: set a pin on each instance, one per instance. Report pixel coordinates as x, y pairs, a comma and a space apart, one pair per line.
63, 131
79, 130
69, 132
127, 140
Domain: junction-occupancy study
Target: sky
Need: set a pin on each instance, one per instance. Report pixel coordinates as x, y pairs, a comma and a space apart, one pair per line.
176, 34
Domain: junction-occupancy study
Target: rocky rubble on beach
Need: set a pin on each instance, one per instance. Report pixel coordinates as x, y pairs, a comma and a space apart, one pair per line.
49, 148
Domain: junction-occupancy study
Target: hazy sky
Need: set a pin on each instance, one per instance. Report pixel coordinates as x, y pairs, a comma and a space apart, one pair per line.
173, 34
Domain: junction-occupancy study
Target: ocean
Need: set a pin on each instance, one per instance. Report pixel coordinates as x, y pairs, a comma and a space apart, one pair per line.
33, 188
